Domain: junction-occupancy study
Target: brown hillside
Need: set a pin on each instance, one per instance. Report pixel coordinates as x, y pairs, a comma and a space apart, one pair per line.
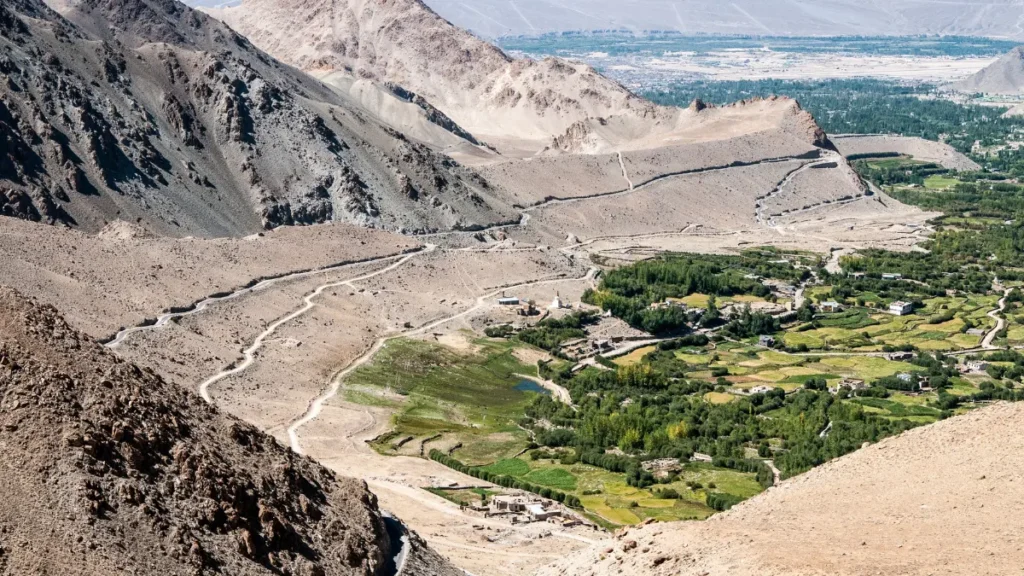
1004, 76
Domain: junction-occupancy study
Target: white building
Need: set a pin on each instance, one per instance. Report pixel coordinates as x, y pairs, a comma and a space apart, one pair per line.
556, 304
830, 306
538, 513
901, 308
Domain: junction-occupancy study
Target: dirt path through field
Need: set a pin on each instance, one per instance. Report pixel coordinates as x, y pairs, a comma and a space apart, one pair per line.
1000, 323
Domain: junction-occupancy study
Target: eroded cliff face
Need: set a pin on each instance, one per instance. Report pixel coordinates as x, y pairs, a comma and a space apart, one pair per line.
145, 110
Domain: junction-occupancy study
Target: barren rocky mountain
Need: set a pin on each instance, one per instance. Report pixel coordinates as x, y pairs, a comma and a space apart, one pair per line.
147, 111
1004, 76
405, 43
519, 106
901, 506
111, 470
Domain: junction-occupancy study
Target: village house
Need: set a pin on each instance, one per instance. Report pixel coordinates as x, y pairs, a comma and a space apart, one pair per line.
899, 356
766, 341
892, 276
669, 303
852, 383
538, 513
973, 366
900, 308
508, 504
830, 306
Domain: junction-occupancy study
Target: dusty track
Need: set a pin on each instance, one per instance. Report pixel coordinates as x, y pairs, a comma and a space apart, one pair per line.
986, 343
250, 352
257, 286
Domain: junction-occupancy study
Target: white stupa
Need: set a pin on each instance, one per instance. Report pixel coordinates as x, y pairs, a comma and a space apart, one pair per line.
556, 304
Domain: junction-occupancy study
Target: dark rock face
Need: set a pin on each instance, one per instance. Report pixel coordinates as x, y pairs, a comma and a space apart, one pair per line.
433, 114
148, 111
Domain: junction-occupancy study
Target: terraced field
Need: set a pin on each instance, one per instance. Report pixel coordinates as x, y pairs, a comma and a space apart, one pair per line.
609, 500
942, 324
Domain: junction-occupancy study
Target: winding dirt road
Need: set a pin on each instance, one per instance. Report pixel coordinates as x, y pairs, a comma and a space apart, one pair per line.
202, 305
249, 354
986, 343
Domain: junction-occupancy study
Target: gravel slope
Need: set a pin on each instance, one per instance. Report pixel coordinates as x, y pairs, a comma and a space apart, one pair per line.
110, 469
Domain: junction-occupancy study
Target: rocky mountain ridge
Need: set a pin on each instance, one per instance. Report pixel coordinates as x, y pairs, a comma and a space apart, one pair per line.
148, 111
404, 42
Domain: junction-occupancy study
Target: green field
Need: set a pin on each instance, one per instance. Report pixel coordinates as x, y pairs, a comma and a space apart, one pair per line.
467, 397
866, 330
938, 182
617, 503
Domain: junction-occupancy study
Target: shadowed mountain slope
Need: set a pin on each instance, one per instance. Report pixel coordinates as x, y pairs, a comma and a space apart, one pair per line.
148, 111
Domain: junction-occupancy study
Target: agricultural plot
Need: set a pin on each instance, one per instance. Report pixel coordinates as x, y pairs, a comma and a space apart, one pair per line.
447, 397
943, 324
633, 357
608, 499
749, 367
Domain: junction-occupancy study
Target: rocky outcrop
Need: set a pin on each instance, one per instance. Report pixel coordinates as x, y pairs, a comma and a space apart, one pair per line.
433, 115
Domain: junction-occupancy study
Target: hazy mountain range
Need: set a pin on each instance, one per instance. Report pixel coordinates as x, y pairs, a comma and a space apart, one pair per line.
494, 18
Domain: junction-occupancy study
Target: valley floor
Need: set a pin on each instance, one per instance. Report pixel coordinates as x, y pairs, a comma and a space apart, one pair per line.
278, 354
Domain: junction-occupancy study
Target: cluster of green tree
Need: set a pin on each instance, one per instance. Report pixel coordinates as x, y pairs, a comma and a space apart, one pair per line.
748, 323
761, 470
956, 259
988, 391
500, 331
577, 44
551, 332
722, 501
1009, 161
629, 291
889, 172
504, 480
1000, 200
808, 413
863, 106
1001, 371
644, 413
